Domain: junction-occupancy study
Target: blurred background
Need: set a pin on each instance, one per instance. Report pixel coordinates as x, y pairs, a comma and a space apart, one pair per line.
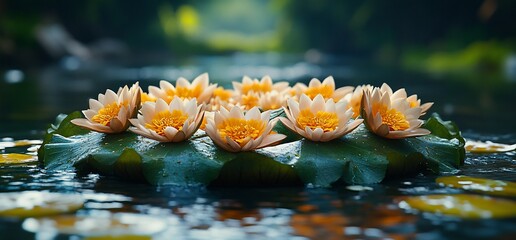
56, 54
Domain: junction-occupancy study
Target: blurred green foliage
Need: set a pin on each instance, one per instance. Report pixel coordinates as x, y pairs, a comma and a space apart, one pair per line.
432, 35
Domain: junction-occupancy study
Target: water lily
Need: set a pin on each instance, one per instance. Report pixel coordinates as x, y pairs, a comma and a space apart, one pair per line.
412, 100
236, 131
355, 99
200, 88
207, 115
326, 88
168, 122
258, 86
248, 101
318, 119
112, 111
391, 117
146, 97
273, 100
221, 98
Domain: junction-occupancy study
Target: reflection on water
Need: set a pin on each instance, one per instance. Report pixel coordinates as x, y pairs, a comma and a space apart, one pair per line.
276, 213
285, 213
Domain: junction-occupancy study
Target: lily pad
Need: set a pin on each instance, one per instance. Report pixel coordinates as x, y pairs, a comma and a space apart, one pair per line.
357, 158
37, 204
17, 158
488, 147
482, 185
112, 226
462, 205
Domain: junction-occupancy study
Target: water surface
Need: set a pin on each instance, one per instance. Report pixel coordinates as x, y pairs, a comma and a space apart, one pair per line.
259, 213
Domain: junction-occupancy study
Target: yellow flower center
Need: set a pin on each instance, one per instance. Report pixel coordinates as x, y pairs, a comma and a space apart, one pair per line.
395, 120
165, 119
325, 90
271, 106
222, 93
327, 121
183, 93
241, 130
255, 86
145, 97
107, 113
249, 101
391, 117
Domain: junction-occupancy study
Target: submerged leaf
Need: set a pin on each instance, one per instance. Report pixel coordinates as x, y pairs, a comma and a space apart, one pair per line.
37, 204
488, 147
17, 158
483, 185
462, 205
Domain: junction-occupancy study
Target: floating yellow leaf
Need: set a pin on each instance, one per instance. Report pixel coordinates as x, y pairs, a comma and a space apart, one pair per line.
488, 186
112, 226
19, 143
22, 143
120, 237
462, 205
38, 204
16, 158
488, 147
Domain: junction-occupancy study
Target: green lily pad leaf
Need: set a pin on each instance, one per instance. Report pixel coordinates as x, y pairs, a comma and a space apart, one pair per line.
462, 205
129, 165
63, 127
318, 164
447, 130
443, 129
322, 164
192, 162
357, 158
126, 155
442, 155
481, 185
114, 146
63, 153
255, 169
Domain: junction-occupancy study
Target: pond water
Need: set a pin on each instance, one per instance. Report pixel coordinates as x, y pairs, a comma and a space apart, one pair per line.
483, 113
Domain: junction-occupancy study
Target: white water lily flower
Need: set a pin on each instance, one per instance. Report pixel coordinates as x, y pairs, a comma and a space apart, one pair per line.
248, 101
273, 100
319, 120
221, 98
207, 115
258, 86
112, 111
412, 100
174, 122
391, 117
200, 88
235, 131
355, 99
326, 88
